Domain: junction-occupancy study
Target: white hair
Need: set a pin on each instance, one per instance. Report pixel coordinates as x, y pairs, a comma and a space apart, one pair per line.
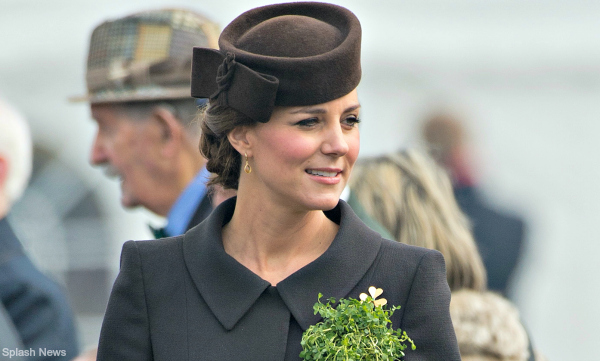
488, 327
16, 147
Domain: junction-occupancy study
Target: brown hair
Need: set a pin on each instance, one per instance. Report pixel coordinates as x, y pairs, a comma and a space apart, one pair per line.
216, 121
412, 197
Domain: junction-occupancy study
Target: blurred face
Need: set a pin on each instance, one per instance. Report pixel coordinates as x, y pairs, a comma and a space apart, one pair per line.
126, 147
304, 155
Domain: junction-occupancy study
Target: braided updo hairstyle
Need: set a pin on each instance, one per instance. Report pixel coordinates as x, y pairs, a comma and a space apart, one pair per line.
216, 121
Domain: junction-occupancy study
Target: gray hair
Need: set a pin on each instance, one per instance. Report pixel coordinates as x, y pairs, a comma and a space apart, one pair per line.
16, 147
185, 110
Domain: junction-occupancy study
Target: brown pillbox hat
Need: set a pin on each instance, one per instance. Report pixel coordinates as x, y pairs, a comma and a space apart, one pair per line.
145, 56
291, 54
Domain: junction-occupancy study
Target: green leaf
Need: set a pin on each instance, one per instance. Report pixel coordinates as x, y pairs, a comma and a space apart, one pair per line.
353, 330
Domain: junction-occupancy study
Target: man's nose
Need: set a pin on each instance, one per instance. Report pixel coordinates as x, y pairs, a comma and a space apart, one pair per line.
98, 153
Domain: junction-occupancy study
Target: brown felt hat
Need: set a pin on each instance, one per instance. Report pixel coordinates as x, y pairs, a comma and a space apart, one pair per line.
291, 54
145, 56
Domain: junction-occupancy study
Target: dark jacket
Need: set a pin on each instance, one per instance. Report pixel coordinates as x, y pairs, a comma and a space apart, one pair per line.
37, 306
9, 337
499, 237
184, 298
203, 210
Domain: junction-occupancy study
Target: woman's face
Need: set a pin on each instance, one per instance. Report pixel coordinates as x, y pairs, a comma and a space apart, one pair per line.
302, 157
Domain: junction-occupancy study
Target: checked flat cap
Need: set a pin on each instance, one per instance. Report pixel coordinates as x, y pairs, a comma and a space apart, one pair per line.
145, 56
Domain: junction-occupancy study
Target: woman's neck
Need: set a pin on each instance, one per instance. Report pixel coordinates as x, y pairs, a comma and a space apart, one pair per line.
274, 241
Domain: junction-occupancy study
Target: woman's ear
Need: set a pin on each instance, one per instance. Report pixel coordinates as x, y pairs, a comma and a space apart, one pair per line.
239, 139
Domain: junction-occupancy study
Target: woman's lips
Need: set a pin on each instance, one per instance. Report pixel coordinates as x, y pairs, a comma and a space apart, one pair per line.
325, 175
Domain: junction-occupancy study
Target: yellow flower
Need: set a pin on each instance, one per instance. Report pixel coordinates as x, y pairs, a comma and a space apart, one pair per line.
374, 292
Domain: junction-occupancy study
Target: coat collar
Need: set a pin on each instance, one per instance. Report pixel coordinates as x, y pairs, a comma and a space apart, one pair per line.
230, 289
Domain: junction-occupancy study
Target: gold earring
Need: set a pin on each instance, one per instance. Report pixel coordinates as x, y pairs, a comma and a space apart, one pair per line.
247, 167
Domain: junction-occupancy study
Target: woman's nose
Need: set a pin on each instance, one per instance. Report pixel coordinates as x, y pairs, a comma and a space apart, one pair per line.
335, 142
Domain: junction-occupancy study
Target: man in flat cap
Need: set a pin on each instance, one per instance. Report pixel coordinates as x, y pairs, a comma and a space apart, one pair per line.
138, 80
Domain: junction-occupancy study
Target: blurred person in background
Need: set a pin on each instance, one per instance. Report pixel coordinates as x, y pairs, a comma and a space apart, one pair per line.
499, 235
350, 198
488, 328
138, 80
37, 307
412, 196
9, 337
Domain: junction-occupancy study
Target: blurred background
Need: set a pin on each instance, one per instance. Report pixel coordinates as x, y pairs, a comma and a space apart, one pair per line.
524, 74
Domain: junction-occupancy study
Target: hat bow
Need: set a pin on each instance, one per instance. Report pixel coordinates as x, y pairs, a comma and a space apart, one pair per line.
221, 77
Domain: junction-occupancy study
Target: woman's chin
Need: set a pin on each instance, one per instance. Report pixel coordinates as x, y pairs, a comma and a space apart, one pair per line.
326, 204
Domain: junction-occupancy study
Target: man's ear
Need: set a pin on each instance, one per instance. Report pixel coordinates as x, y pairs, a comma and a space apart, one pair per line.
4, 202
172, 132
3, 172
239, 139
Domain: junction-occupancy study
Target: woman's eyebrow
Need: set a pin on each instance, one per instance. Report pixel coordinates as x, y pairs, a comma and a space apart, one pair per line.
352, 108
311, 110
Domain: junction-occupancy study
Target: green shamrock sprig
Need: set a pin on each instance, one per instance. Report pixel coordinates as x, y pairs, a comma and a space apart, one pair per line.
354, 330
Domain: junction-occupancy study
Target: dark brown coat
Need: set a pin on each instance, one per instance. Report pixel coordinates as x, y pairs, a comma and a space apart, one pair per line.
184, 298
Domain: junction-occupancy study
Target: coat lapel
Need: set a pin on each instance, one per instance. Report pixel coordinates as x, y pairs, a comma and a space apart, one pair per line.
337, 271
230, 289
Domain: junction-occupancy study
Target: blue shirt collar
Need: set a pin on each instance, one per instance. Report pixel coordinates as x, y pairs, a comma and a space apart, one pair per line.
184, 208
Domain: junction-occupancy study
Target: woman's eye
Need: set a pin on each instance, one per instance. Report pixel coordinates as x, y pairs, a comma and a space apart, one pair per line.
308, 122
351, 121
